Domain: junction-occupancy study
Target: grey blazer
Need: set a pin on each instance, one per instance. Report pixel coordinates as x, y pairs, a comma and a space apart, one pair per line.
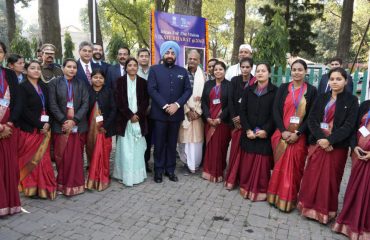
58, 103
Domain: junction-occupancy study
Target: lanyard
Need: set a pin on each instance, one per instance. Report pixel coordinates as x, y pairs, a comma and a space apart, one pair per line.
259, 92
327, 87
296, 104
2, 81
246, 85
42, 97
367, 118
217, 90
327, 107
69, 90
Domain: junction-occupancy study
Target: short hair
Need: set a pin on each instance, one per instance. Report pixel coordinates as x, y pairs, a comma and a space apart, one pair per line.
301, 62
3, 46
68, 60
222, 64
339, 70
336, 59
246, 59
13, 58
48, 45
27, 65
130, 59
97, 71
212, 60
84, 44
141, 50
267, 66
124, 47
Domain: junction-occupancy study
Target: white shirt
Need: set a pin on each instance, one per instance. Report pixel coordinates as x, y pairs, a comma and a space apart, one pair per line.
234, 70
122, 68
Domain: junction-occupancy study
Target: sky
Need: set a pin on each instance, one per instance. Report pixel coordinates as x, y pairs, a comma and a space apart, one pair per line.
69, 12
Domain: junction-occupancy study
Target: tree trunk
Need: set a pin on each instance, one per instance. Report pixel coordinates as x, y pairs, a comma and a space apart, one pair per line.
10, 16
50, 24
189, 7
161, 5
99, 38
239, 24
344, 42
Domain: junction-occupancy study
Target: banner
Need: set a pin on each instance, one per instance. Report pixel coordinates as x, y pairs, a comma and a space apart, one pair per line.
189, 32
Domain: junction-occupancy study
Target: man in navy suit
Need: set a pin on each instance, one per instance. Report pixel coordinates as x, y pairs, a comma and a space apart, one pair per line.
169, 88
98, 56
84, 65
118, 70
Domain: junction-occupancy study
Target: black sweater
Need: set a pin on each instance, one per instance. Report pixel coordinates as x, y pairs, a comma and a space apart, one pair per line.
345, 117
236, 93
280, 98
12, 81
364, 108
256, 111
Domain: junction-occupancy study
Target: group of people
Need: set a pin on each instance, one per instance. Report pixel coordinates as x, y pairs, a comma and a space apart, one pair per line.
289, 144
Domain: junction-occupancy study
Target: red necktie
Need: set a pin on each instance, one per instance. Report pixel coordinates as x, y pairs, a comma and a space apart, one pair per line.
88, 73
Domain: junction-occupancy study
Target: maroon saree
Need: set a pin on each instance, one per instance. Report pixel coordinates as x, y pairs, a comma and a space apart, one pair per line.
232, 173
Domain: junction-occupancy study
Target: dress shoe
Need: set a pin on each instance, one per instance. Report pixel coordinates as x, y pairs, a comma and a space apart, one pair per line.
158, 178
172, 177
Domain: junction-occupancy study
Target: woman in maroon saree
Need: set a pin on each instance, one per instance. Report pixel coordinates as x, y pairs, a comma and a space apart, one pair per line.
353, 220
291, 106
258, 125
216, 113
102, 112
69, 103
36, 172
331, 123
9, 171
237, 87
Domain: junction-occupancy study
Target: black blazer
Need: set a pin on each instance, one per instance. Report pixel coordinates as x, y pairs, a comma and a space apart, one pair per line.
364, 108
345, 117
124, 113
280, 97
107, 105
236, 93
58, 103
12, 81
31, 106
225, 90
256, 111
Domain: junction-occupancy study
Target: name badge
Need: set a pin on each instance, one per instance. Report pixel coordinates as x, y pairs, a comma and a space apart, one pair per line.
216, 101
75, 129
364, 131
240, 100
324, 125
4, 102
69, 104
44, 118
294, 120
99, 118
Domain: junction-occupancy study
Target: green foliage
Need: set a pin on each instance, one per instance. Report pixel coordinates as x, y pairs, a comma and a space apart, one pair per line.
299, 16
115, 43
272, 42
21, 45
69, 46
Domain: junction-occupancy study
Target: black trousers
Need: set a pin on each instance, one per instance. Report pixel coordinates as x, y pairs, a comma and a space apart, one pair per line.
148, 138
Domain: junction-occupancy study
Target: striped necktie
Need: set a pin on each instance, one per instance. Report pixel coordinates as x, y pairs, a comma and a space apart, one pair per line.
88, 73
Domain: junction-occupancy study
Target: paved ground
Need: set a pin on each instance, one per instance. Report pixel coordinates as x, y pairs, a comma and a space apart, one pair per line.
190, 209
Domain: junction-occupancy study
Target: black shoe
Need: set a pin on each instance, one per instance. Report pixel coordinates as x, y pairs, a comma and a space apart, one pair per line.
158, 178
147, 168
172, 177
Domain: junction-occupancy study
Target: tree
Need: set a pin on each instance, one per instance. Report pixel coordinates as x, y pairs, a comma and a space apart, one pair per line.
10, 15
344, 40
299, 16
272, 42
239, 25
116, 42
162, 5
50, 24
69, 46
189, 7
21, 45
99, 38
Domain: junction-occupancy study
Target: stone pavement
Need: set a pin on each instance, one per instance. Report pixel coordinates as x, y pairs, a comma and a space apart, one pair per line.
190, 209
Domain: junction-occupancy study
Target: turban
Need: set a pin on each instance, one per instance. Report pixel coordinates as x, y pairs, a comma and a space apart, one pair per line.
169, 45
246, 46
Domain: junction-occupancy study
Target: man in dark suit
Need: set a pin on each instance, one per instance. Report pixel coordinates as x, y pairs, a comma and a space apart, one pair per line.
169, 88
84, 65
98, 56
324, 82
118, 70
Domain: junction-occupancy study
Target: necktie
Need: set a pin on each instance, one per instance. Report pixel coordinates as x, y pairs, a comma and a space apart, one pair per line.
123, 71
88, 73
